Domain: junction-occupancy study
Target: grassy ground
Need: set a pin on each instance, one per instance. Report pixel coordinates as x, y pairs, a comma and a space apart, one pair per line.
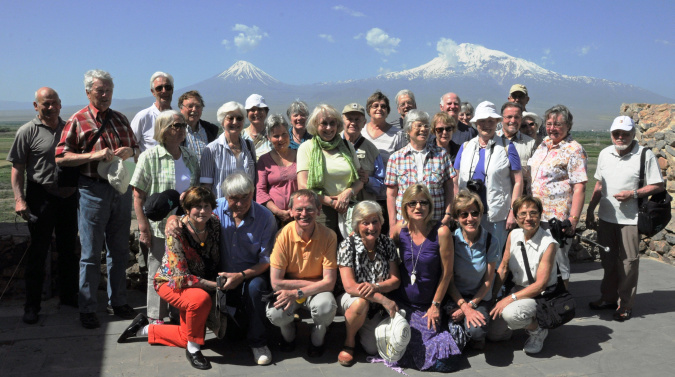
593, 143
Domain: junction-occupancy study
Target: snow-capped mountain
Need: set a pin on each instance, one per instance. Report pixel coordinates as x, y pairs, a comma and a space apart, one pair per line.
245, 71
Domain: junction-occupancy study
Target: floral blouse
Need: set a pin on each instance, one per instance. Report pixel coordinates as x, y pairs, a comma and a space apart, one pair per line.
356, 257
555, 170
185, 261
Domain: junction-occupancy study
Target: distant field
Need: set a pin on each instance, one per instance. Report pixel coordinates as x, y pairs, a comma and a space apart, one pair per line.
593, 142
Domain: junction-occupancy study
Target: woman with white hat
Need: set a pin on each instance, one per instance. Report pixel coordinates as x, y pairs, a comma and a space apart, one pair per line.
489, 166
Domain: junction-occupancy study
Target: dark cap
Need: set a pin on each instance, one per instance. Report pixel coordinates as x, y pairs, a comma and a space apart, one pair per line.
159, 205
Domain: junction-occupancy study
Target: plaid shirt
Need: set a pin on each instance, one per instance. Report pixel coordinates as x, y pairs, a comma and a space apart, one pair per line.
81, 129
402, 173
156, 172
196, 141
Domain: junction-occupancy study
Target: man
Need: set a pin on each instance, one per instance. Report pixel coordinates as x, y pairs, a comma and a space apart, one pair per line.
525, 145
256, 112
104, 214
303, 273
143, 124
451, 104
405, 101
518, 94
48, 207
199, 132
617, 193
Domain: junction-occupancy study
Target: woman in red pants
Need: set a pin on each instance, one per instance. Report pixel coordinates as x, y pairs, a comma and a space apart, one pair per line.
186, 278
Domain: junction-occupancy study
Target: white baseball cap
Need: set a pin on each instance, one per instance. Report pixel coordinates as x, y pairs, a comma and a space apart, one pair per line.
255, 100
392, 336
623, 123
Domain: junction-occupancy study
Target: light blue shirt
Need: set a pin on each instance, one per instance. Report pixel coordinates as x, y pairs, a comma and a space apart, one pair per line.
248, 244
471, 262
218, 162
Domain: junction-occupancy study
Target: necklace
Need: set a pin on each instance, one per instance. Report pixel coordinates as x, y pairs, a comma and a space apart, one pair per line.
197, 232
413, 275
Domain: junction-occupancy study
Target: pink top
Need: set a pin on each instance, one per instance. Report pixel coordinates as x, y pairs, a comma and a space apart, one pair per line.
275, 183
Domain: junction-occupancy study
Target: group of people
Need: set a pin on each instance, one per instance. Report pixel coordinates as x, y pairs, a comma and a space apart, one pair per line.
326, 211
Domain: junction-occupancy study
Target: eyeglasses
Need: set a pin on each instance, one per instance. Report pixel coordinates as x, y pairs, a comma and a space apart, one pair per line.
305, 209
179, 126
405, 104
166, 87
621, 134
232, 118
420, 126
331, 123
440, 130
524, 215
378, 106
465, 214
555, 125
530, 124
412, 204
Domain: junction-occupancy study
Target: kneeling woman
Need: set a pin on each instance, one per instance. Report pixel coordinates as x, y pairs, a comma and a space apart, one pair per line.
368, 263
186, 278
518, 310
426, 250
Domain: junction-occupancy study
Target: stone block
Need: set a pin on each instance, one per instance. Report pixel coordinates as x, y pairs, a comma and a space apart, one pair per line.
671, 253
670, 138
660, 247
660, 144
670, 238
659, 135
670, 150
671, 225
670, 186
670, 172
660, 236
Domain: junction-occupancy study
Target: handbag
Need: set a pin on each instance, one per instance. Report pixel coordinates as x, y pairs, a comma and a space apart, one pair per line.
653, 213
68, 176
555, 305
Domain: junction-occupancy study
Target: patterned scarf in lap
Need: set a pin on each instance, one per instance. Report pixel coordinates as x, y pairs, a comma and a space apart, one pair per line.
317, 162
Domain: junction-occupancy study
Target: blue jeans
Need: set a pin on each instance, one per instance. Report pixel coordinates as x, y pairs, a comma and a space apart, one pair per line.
248, 297
499, 234
104, 219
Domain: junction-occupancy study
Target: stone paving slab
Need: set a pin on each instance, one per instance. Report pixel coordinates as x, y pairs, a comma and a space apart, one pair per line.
591, 345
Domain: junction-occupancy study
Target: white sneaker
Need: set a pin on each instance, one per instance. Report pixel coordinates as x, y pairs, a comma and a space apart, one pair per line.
262, 355
535, 342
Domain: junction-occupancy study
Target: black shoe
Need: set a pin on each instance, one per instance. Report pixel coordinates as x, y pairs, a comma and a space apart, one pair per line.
123, 311
197, 360
285, 346
602, 305
138, 323
30, 315
315, 351
89, 320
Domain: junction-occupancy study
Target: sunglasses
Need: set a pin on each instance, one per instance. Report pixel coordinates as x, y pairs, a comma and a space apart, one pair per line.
530, 124
414, 203
464, 215
178, 126
232, 118
440, 130
166, 87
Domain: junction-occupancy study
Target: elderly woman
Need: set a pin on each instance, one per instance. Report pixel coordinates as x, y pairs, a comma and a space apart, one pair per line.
489, 166
558, 169
297, 113
328, 165
475, 262
466, 112
368, 262
277, 177
229, 152
166, 166
419, 163
256, 112
518, 310
443, 126
426, 250
530, 126
186, 279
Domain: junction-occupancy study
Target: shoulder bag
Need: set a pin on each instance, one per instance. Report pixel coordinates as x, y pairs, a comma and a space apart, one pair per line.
653, 213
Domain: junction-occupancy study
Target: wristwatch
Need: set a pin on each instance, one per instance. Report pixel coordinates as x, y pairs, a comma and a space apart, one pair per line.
301, 294
378, 286
635, 195
436, 304
513, 297
473, 304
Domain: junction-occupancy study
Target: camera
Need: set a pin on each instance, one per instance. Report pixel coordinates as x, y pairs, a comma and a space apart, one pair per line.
220, 281
475, 185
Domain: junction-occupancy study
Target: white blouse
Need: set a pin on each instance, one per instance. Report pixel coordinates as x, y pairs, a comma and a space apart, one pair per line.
534, 248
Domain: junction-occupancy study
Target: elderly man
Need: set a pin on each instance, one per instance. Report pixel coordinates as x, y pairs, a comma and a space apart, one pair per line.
617, 193
256, 112
46, 204
303, 273
518, 94
525, 145
451, 104
199, 132
143, 124
92, 135
405, 101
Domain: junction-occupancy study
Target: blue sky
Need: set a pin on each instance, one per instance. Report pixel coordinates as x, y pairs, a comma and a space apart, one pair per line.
300, 42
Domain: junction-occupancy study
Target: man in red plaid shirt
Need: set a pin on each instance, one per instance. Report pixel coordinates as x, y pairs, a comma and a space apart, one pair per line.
104, 214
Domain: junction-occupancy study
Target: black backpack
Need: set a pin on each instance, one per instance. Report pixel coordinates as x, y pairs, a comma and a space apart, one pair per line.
653, 213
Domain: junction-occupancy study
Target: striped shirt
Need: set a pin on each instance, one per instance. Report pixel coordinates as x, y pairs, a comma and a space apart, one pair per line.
196, 141
81, 129
218, 161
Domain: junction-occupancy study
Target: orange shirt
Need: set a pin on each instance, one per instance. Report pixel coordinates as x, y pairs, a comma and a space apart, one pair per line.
305, 260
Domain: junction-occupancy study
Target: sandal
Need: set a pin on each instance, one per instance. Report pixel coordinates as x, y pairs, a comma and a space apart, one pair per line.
346, 356
601, 305
623, 314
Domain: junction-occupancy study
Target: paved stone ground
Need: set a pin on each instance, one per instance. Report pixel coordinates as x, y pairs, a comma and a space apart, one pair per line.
591, 345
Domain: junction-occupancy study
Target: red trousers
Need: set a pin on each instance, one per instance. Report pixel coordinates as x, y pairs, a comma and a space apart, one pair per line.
194, 305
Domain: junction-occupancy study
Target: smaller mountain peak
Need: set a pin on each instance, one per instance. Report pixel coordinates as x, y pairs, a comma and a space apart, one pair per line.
245, 71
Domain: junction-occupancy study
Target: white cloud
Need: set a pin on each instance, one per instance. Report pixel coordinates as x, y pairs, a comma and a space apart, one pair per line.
584, 50
447, 49
327, 37
353, 13
546, 58
662, 41
249, 37
358, 36
383, 70
381, 41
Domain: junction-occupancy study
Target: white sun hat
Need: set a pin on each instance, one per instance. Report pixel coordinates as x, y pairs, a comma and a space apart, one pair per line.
484, 110
392, 336
117, 172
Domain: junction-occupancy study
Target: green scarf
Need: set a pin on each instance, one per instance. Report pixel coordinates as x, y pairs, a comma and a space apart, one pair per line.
317, 162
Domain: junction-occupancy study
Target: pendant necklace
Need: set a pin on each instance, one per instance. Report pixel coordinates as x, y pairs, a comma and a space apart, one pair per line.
197, 232
413, 275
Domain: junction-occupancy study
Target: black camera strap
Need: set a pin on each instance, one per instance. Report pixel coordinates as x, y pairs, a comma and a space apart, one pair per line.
487, 164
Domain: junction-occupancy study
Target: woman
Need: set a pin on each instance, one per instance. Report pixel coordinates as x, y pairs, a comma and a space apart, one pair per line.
426, 250
420, 163
368, 262
297, 113
466, 113
229, 152
166, 166
558, 169
328, 166
518, 310
490, 166
186, 279
530, 126
256, 113
443, 127
475, 262
277, 178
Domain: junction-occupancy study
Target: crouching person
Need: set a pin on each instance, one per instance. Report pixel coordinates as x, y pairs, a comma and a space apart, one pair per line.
303, 271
